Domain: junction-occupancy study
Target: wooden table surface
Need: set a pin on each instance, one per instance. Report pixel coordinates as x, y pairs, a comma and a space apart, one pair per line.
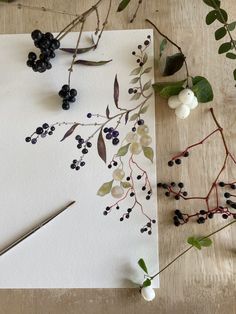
201, 281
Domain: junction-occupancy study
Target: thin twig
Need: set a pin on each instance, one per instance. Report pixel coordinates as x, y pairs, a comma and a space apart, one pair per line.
136, 11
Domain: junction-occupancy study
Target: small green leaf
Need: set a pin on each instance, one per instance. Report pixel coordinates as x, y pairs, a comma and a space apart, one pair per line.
212, 3
211, 17
147, 70
173, 64
194, 242
136, 71
142, 264
147, 85
231, 26
105, 188
220, 33
144, 110
148, 153
225, 47
162, 46
136, 96
222, 16
147, 283
202, 89
123, 4
123, 150
126, 185
231, 55
134, 117
205, 242
167, 89
134, 80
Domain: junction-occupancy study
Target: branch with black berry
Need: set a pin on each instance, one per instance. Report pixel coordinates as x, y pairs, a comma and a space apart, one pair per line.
224, 207
48, 44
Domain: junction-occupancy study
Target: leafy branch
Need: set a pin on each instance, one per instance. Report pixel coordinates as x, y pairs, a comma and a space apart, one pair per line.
220, 15
194, 243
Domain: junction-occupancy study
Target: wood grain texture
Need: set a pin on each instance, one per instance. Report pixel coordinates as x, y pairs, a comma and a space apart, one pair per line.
200, 282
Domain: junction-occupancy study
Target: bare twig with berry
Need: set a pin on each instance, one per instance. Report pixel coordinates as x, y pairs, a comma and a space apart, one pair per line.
224, 209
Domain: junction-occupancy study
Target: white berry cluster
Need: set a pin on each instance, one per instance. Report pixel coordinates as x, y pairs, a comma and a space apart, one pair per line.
138, 139
183, 103
117, 191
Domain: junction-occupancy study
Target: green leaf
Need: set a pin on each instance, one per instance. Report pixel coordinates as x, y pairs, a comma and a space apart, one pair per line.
173, 64
148, 153
126, 185
231, 26
123, 4
220, 33
92, 63
147, 283
142, 264
123, 150
134, 80
231, 55
147, 70
134, 117
194, 242
167, 89
205, 242
79, 50
144, 110
105, 188
147, 85
211, 17
145, 58
162, 46
202, 89
136, 71
222, 16
212, 3
136, 96
224, 47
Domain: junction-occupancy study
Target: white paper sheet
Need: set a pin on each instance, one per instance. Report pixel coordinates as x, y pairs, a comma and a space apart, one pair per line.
81, 248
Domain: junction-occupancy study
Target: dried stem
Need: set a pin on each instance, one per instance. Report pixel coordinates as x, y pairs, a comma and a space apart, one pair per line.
136, 11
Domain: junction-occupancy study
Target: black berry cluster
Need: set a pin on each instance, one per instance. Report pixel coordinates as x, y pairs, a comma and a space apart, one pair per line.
177, 160
77, 164
148, 227
47, 45
112, 163
174, 189
68, 96
112, 134
140, 60
84, 146
41, 131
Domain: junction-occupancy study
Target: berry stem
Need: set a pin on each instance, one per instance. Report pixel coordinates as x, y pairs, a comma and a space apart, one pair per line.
136, 11
189, 248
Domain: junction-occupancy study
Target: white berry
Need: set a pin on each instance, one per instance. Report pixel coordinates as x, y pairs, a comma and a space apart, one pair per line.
131, 137
186, 96
143, 129
148, 293
117, 191
145, 140
118, 174
182, 112
193, 104
135, 148
174, 102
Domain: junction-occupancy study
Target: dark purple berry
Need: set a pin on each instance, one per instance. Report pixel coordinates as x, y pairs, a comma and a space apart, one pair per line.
65, 105
140, 122
130, 90
115, 141
227, 195
109, 136
180, 185
28, 139
178, 161
34, 140
89, 144
32, 56
84, 151
66, 88
221, 184
224, 216
115, 133
36, 34
39, 130
170, 163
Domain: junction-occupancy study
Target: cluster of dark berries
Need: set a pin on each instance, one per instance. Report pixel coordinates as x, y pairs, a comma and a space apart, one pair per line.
175, 189
231, 185
112, 134
112, 163
177, 161
82, 144
139, 122
68, 95
42, 131
126, 215
77, 164
148, 227
47, 45
132, 90
146, 43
